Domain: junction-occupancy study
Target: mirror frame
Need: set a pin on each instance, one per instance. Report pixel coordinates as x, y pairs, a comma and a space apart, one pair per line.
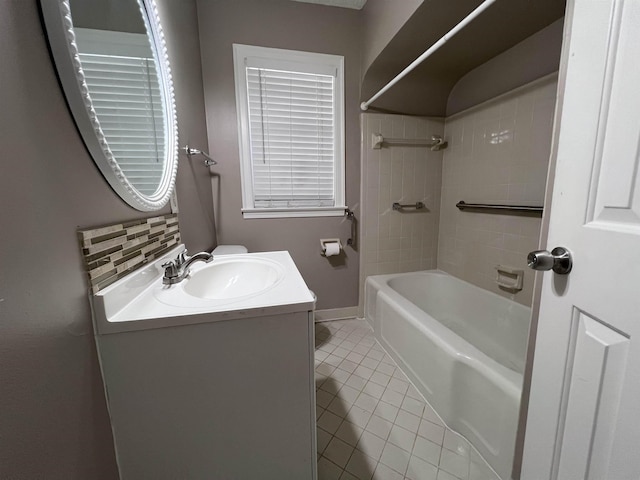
62, 43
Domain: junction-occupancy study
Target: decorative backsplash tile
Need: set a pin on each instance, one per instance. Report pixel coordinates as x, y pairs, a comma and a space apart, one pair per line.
111, 252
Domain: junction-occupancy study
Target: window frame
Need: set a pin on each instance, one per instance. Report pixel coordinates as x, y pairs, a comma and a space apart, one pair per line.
304, 62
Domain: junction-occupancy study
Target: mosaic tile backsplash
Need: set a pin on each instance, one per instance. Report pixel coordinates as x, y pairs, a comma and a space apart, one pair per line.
111, 252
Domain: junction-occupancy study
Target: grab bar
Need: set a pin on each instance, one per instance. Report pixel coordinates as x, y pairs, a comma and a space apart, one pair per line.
486, 206
351, 241
418, 206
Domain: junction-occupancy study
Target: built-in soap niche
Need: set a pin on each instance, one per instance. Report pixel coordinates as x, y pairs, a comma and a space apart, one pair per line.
113, 251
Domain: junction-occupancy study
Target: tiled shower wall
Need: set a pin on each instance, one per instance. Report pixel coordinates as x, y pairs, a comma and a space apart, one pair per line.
498, 153
394, 242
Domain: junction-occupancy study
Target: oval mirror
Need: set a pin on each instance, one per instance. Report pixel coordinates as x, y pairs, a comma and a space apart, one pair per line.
113, 67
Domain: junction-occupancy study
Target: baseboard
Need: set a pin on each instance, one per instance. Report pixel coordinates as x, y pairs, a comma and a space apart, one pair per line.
336, 314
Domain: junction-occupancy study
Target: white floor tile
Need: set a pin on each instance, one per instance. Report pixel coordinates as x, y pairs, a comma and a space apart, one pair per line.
412, 405
354, 357
386, 368
389, 432
333, 360
373, 389
370, 363
328, 470
361, 349
325, 369
323, 438
379, 426
418, 469
330, 386
414, 393
427, 450
338, 452
408, 420
356, 382
359, 416
371, 445
348, 366
366, 402
376, 354
398, 385
402, 438
349, 433
395, 458
363, 372
339, 406
430, 414
361, 465
380, 378
349, 394
341, 352
386, 411
323, 398
348, 345
431, 431
319, 411
340, 375
347, 476
385, 473
392, 397
329, 422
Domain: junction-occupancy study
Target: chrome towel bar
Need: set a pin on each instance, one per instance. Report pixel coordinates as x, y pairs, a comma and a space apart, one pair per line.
418, 206
462, 205
194, 151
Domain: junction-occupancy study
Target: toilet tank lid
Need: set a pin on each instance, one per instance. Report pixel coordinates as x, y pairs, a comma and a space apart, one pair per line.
229, 249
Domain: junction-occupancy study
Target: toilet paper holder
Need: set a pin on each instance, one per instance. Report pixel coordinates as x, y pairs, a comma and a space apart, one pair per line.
325, 241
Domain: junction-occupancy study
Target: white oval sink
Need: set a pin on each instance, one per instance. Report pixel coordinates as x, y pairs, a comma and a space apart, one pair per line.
233, 278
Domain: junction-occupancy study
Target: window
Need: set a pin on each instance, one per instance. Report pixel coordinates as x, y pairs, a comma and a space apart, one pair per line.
291, 122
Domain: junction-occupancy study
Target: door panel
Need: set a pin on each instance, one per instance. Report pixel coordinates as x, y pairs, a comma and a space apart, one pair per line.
584, 407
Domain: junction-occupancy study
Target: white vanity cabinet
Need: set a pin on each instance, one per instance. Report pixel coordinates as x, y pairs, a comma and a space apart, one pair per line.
223, 395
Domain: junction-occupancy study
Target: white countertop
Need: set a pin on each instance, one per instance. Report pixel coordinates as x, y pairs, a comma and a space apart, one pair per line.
140, 301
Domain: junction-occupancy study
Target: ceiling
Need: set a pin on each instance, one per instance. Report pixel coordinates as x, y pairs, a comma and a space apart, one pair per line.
356, 4
425, 90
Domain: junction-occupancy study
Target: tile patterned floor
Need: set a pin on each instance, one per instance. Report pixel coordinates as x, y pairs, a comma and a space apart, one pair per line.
372, 423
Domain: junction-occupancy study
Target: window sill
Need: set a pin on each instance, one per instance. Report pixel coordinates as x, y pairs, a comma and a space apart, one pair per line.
293, 212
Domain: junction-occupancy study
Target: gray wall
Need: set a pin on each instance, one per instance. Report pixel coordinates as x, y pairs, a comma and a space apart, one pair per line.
53, 421
382, 20
533, 58
297, 26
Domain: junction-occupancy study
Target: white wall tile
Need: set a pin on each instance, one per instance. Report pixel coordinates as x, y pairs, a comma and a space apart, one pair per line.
394, 242
499, 154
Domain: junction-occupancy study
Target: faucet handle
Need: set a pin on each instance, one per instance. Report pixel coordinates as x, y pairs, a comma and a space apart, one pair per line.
181, 258
171, 270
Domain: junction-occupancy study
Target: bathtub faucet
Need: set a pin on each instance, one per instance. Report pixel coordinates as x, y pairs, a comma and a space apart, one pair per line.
177, 270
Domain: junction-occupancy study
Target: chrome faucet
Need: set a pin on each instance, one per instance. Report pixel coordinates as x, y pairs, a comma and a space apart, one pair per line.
177, 270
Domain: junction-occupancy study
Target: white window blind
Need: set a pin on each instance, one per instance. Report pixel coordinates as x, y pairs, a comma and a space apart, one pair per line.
126, 96
290, 109
292, 138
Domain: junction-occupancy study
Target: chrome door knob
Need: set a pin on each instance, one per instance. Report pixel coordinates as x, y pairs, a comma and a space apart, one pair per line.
559, 260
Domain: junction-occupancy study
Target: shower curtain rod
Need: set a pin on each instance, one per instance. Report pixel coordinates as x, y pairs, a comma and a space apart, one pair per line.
481, 8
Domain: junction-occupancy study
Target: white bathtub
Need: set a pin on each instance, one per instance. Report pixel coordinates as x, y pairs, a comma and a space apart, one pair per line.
464, 349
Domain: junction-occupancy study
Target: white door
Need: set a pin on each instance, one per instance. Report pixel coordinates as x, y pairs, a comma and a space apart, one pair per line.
584, 412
